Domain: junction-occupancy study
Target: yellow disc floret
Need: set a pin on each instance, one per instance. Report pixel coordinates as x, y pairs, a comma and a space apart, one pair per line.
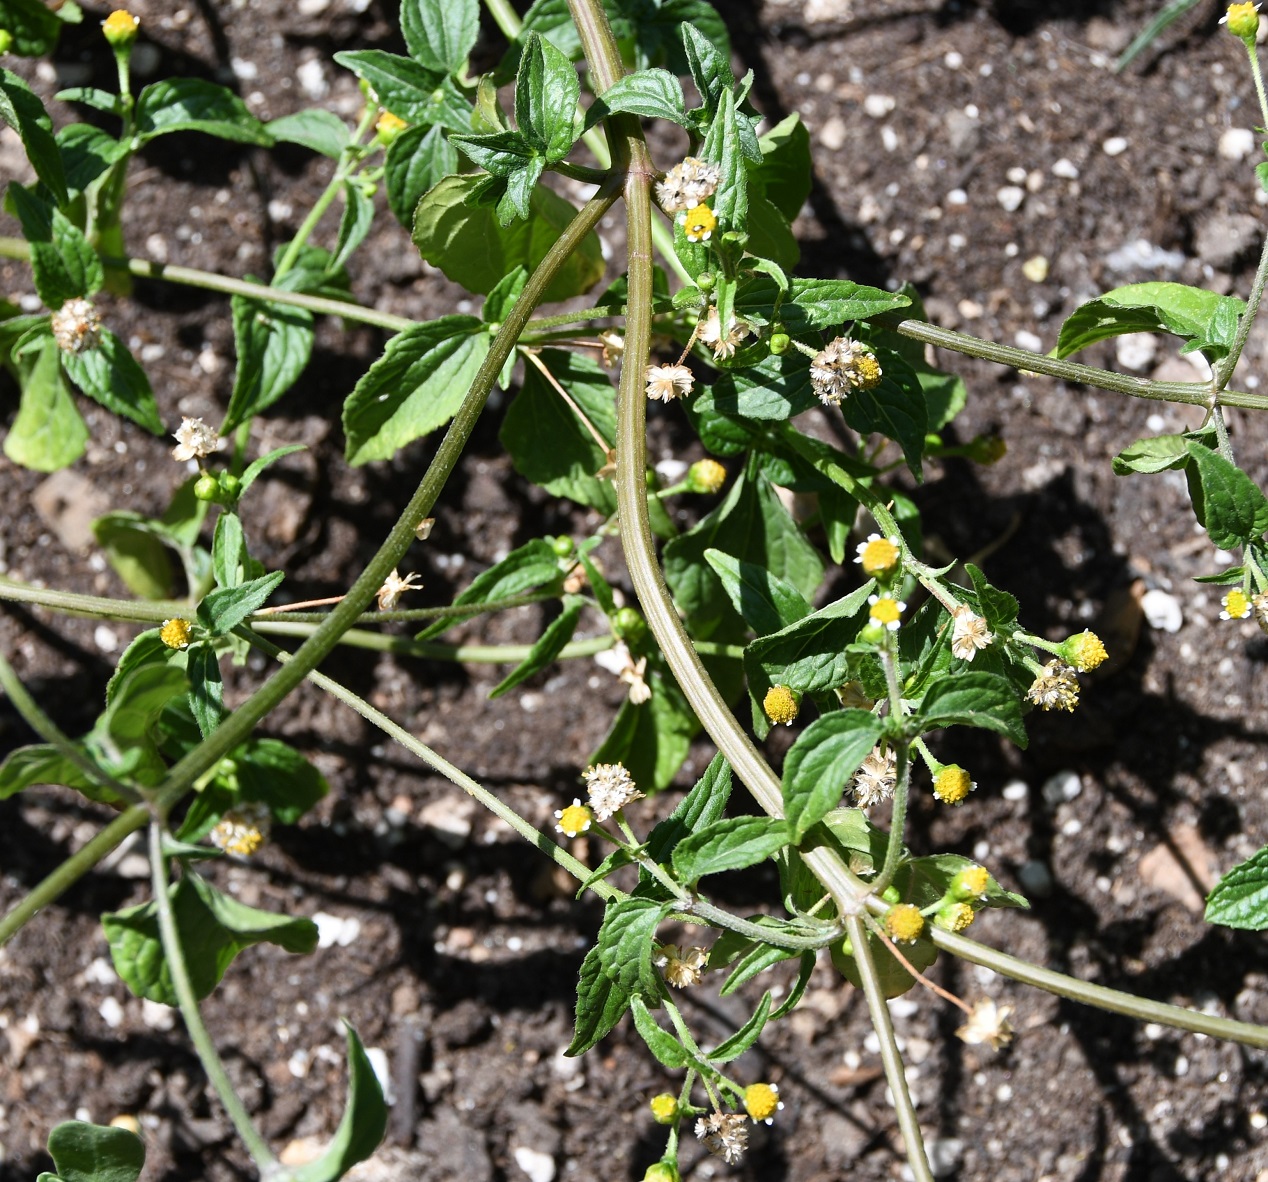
664, 1108
904, 922
970, 883
952, 784
120, 28
573, 820
1084, 651
886, 611
388, 127
954, 917
1236, 605
705, 476
878, 556
761, 1102
781, 705
700, 223
175, 633
1242, 21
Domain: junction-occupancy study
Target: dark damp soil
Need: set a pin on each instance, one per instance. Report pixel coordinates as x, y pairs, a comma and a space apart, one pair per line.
987, 154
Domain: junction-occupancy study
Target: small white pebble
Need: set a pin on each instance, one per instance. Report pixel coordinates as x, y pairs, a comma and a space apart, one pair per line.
832, 134
1016, 790
105, 638
1236, 143
1162, 610
1257, 1120
953, 60
1136, 350
1029, 341
1010, 197
969, 309
957, 197
1035, 268
1016, 176
312, 79
540, 1167
1066, 169
111, 1012
1062, 787
332, 930
878, 105
1114, 146
889, 139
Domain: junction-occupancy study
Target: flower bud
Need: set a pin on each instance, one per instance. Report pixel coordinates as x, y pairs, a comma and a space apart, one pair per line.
779, 343
207, 488
388, 127
664, 1108
563, 546
987, 449
628, 625
706, 281
1084, 651
970, 883
705, 476
952, 784
6, 40
954, 917
230, 488
662, 1171
119, 28
1242, 21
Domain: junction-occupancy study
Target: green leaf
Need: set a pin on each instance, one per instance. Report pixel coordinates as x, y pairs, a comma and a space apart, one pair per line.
213, 929
667, 1048
206, 691
1240, 898
532, 567
778, 387
274, 343
650, 94
547, 648
363, 1123
626, 941
33, 26
500, 301
439, 34
895, 408
146, 649
410, 91
733, 1047
471, 248
358, 213
703, 805
925, 881
722, 147
813, 303
191, 104
275, 774
729, 844
110, 375
1192, 313
818, 767
1161, 453
415, 387
750, 957
709, 64
549, 444
48, 432
417, 160
998, 608
257, 466
1233, 509
786, 172
222, 610
42, 763
601, 1002
766, 602
94, 1153
63, 264
137, 553
974, 699
87, 152
500, 153
123, 737
92, 96
770, 236
320, 130
547, 90
19, 107
653, 738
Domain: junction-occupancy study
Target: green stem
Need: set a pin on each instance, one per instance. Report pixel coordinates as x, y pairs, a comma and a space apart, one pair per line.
52, 734
174, 955
1256, 73
580, 172
438, 763
505, 17
50, 888
17, 248
891, 1059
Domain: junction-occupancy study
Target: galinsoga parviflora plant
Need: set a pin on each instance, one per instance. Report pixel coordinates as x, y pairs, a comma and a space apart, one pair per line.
726, 627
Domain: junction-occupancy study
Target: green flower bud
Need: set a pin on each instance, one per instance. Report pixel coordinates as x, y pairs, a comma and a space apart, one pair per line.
6, 40
662, 1171
230, 488
119, 28
628, 625
706, 281
705, 476
207, 488
779, 343
562, 546
1242, 21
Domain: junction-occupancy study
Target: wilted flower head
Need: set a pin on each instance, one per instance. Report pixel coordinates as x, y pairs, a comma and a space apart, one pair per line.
1259, 608
875, 779
242, 830
724, 1135
610, 788
968, 634
688, 183
76, 326
988, 1023
682, 967
619, 660
843, 365
389, 595
667, 382
194, 440
1056, 688
722, 343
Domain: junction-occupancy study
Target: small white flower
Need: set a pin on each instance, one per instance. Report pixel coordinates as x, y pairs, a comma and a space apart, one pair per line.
76, 326
876, 777
688, 183
194, 440
667, 382
724, 1135
969, 634
389, 595
722, 343
610, 788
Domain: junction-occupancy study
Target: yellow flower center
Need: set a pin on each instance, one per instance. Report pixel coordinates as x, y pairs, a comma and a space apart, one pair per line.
664, 1108
879, 557
700, 223
120, 26
971, 882
175, 633
574, 819
780, 705
706, 476
904, 922
1242, 20
1236, 605
1086, 651
956, 917
886, 611
760, 1101
867, 371
952, 784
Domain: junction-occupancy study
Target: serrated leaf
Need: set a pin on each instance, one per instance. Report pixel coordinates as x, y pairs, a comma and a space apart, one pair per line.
547, 441
275, 774
601, 1003
974, 699
471, 248
729, 844
703, 805
82, 1152
363, 1123
137, 553
998, 608
546, 93
1234, 511
415, 387
191, 104
667, 1048
213, 929
408, 90
531, 567
626, 942
48, 432
110, 375
733, 1047
1161, 453
42, 763
317, 129
94, 97
813, 303
766, 602
222, 610
650, 94
1191, 313
709, 65
274, 343
722, 147
822, 760
546, 649
63, 265
778, 387
87, 152
23, 111
417, 160
440, 33
1240, 898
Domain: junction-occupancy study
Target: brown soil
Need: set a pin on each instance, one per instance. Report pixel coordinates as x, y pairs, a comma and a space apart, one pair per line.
464, 967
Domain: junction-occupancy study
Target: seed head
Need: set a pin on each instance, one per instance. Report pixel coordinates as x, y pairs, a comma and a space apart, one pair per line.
723, 344
194, 441
667, 382
1056, 688
610, 788
76, 326
687, 184
843, 365
988, 1023
389, 595
724, 1135
875, 779
1259, 608
682, 967
968, 634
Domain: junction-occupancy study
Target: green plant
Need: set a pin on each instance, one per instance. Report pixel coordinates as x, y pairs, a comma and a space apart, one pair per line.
726, 611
